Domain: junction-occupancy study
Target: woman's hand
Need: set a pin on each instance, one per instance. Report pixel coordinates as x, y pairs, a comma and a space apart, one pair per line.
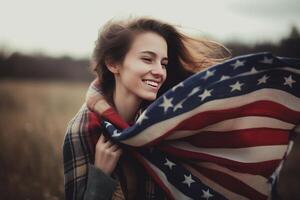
107, 155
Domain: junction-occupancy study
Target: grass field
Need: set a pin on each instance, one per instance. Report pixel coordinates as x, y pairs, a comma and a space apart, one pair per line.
33, 120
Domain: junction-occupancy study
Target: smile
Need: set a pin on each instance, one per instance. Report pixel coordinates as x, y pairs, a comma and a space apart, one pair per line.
151, 83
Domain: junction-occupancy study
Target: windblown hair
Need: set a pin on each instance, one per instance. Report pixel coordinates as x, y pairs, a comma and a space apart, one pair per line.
186, 55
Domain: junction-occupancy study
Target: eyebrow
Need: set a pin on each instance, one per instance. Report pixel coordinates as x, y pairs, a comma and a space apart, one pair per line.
154, 54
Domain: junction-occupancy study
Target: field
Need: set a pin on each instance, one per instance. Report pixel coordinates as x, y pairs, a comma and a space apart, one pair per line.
33, 120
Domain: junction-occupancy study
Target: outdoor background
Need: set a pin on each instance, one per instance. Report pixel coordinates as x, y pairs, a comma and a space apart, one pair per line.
45, 50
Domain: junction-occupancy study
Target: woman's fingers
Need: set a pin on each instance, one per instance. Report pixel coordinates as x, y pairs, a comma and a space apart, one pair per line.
101, 138
108, 144
104, 141
114, 147
119, 151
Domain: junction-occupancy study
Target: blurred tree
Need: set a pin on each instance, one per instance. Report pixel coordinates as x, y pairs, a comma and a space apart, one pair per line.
289, 46
66, 68
39, 66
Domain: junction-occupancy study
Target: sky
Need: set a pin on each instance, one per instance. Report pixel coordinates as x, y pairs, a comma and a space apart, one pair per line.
65, 27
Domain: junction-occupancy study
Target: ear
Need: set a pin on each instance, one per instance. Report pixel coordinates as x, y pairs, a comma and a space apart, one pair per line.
112, 66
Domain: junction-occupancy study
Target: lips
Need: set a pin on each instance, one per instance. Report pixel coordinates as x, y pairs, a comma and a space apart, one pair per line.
151, 83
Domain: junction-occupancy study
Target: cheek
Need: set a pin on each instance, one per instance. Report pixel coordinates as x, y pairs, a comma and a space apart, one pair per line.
165, 77
132, 70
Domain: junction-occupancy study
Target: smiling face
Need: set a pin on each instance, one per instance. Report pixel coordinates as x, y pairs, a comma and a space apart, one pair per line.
143, 70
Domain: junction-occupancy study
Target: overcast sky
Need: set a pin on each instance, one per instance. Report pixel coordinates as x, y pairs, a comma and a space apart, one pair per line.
70, 27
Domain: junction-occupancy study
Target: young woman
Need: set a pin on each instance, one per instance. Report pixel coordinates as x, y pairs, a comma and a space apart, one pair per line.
136, 61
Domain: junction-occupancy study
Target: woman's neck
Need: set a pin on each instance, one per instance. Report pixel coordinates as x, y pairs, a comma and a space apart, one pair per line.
126, 105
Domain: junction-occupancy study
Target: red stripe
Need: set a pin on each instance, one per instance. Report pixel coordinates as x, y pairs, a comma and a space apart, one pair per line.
240, 138
265, 168
259, 108
231, 183
115, 118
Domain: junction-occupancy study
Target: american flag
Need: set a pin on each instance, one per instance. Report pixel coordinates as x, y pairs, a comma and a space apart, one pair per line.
223, 133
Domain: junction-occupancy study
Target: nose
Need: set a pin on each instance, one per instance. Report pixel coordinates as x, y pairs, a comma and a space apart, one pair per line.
158, 70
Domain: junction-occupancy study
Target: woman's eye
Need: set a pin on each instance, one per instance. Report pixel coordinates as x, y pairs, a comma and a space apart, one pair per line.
148, 60
164, 65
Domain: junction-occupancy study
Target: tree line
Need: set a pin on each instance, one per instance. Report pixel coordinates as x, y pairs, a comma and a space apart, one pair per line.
22, 66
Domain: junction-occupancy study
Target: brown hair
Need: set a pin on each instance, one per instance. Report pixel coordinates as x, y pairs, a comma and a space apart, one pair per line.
186, 55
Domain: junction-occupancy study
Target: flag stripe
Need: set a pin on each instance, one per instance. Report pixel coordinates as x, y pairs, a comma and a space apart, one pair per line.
259, 109
232, 195
239, 138
258, 154
255, 181
259, 168
230, 183
164, 128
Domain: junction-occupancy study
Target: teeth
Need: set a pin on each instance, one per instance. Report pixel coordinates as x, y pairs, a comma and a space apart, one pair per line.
151, 83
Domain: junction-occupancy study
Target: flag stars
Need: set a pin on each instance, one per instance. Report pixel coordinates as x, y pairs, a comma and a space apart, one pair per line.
205, 94
188, 180
142, 118
209, 74
169, 164
177, 86
267, 60
167, 103
107, 124
237, 64
194, 91
116, 133
253, 70
263, 80
236, 86
224, 77
206, 194
178, 106
289, 81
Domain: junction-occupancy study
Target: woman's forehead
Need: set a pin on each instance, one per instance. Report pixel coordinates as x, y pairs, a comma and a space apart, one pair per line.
149, 42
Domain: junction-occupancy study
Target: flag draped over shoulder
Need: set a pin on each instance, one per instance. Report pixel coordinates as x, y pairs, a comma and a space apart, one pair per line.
223, 133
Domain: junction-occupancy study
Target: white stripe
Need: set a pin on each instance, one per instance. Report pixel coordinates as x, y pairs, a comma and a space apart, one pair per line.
296, 71
174, 191
257, 182
236, 124
159, 129
245, 155
215, 186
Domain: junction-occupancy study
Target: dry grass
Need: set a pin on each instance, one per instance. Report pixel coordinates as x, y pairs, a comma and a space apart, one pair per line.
33, 119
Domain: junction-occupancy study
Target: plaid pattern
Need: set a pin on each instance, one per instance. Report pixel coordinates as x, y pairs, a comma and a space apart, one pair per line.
77, 155
81, 136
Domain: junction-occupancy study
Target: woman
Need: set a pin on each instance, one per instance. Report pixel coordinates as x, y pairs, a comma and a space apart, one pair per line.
136, 61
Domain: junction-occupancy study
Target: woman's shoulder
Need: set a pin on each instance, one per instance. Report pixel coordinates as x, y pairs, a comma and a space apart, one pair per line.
82, 134
85, 121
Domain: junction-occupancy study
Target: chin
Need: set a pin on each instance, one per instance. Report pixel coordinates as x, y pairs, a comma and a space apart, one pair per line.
149, 97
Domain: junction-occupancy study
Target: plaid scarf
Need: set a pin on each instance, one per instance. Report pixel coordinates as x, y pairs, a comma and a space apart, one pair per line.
82, 134
223, 133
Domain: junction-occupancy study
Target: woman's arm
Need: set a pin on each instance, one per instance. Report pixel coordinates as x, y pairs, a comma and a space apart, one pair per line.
100, 185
